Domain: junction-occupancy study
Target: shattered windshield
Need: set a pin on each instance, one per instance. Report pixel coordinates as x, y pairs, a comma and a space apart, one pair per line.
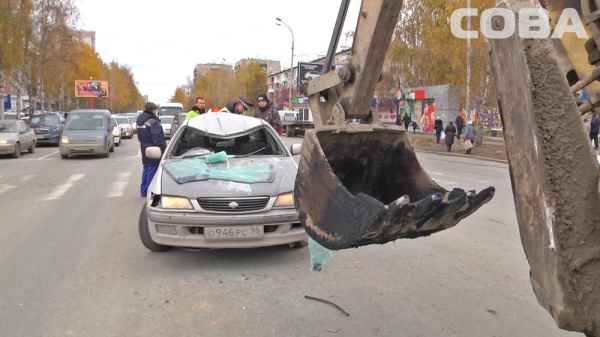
198, 156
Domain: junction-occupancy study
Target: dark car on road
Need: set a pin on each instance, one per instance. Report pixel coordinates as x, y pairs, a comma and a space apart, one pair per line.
47, 127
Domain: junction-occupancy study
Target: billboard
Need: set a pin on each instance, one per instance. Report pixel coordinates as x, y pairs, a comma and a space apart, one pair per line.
91, 88
307, 71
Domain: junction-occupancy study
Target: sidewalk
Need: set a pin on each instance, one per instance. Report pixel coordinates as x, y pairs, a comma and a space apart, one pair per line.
492, 148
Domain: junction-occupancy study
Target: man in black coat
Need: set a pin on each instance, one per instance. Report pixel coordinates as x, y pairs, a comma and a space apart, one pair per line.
460, 124
150, 133
594, 129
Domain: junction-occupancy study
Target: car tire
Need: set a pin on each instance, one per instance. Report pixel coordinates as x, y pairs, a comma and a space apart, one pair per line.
64, 156
112, 148
17, 153
145, 234
31, 149
299, 244
117, 144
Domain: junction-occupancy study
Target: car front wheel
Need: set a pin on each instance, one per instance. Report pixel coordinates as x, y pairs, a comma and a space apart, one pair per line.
17, 153
145, 234
31, 149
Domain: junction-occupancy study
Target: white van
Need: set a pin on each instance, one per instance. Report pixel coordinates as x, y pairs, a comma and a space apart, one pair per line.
169, 109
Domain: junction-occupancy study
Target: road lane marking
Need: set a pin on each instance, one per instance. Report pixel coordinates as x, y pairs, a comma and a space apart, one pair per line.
62, 189
48, 155
6, 188
118, 187
28, 177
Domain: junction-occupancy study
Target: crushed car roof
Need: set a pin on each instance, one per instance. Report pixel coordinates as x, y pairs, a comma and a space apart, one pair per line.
224, 123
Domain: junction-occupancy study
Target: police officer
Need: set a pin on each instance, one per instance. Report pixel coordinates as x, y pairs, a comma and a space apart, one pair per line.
267, 111
150, 133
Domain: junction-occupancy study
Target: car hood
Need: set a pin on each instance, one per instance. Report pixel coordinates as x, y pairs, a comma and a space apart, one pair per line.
83, 134
282, 180
9, 136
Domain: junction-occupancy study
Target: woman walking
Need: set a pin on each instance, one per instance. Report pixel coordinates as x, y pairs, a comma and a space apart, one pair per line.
450, 130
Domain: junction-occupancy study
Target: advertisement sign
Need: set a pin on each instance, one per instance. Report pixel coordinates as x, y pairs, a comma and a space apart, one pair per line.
307, 71
91, 88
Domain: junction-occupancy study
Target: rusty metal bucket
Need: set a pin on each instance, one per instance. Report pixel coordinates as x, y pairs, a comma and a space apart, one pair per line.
362, 184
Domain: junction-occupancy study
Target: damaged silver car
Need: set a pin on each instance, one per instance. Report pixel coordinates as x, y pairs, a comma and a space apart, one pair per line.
224, 181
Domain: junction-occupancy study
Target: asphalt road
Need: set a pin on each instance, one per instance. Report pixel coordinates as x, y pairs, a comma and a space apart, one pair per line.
71, 264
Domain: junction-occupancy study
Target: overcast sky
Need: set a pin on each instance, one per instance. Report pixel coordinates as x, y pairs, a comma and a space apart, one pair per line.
162, 41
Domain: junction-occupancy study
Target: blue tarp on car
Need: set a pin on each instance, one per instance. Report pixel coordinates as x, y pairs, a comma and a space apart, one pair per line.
196, 169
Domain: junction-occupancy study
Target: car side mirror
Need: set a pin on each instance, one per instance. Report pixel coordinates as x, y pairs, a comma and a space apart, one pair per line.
296, 149
153, 152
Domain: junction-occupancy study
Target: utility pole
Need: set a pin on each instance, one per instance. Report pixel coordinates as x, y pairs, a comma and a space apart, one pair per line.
468, 99
291, 77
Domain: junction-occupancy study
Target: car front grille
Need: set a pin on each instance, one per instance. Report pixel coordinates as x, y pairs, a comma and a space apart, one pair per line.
41, 132
233, 205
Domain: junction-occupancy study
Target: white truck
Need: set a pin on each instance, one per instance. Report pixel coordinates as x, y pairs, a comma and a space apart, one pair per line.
297, 121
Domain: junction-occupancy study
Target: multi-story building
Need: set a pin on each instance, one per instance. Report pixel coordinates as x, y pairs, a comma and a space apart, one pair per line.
280, 82
204, 68
87, 36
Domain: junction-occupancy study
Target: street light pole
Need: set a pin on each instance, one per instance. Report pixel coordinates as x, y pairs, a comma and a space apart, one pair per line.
291, 78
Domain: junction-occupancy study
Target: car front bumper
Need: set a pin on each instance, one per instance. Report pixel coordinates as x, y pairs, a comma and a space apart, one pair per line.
48, 139
82, 149
186, 229
7, 148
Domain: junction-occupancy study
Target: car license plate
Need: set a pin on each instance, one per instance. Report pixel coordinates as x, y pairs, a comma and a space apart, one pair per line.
233, 232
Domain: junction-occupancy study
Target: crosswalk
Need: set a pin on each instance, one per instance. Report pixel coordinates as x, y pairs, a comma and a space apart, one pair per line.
116, 189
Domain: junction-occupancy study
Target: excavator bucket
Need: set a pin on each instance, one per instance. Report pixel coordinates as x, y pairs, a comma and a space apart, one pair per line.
362, 184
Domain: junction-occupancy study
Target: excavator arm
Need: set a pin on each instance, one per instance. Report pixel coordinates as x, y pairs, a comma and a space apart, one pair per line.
553, 168
360, 184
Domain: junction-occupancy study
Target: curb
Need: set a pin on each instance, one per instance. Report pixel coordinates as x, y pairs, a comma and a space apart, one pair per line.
464, 155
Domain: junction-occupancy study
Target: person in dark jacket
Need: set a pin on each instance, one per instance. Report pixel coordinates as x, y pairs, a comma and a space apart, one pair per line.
407, 121
438, 126
460, 124
594, 129
229, 107
450, 130
267, 111
150, 133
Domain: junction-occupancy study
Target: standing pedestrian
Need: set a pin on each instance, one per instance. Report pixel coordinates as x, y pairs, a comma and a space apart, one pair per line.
438, 127
150, 133
198, 109
267, 111
414, 126
470, 135
407, 121
460, 124
450, 130
594, 129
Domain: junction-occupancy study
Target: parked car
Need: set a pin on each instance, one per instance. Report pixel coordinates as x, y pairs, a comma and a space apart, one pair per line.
126, 128
15, 136
166, 122
224, 181
116, 132
178, 118
88, 132
47, 127
132, 120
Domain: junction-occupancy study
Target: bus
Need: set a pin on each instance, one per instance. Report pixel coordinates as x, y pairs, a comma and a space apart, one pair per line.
169, 109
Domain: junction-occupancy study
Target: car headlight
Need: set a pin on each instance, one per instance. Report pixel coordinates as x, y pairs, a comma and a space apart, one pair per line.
285, 200
7, 141
64, 140
168, 202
